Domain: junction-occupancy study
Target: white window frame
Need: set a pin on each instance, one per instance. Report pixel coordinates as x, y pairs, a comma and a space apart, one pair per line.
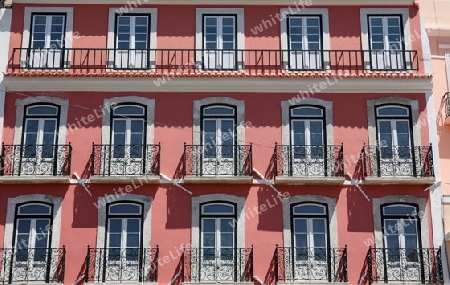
112, 32
240, 36
285, 12
365, 42
68, 37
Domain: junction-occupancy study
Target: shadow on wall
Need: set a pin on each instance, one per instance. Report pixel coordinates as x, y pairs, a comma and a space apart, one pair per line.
178, 204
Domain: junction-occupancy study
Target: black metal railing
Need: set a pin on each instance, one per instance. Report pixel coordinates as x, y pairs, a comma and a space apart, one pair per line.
188, 61
397, 161
405, 265
212, 264
309, 160
125, 160
311, 264
35, 160
121, 265
218, 160
447, 104
24, 265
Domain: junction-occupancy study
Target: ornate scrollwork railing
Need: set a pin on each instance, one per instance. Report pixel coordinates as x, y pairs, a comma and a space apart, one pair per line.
218, 160
25, 265
213, 264
311, 264
405, 265
36, 160
125, 160
447, 104
397, 161
309, 160
121, 265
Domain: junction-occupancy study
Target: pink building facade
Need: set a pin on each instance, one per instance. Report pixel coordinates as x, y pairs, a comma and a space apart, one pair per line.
240, 143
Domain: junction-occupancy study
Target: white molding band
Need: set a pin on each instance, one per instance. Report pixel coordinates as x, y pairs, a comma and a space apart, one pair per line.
36, 198
20, 112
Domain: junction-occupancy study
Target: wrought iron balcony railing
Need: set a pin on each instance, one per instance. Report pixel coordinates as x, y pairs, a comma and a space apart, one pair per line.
309, 160
125, 160
447, 104
188, 61
25, 265
214, 264
36, 160
121, 265
218, 160
311, 264
397, 161
405, 265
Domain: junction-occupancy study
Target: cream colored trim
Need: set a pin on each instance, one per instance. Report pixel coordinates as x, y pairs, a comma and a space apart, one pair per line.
20, 112
229, 2
447, 64
11, 211
284, 12
262, 85
383, 11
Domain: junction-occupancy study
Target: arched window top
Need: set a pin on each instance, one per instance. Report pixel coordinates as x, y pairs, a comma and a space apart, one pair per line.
125, 209
392, 111
309, 209
34, 209
218, 110
307, 111
218, 209
129, 110
399, 210
42, 110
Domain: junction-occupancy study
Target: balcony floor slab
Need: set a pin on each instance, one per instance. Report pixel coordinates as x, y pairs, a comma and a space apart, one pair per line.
34, 180
311, 283
218, 282
218, 180
151, 179
399, 180
289, 180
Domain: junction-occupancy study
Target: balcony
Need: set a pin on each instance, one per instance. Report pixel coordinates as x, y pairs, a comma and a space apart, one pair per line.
311, 265
118, 265
398, 164
198, 62
309, 164
35, 163
32, 265
405, 265
212, 265
218, 164
447, 107
124, 163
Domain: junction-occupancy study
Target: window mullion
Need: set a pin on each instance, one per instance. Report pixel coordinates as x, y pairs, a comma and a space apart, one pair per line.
219, 33
385, 33
123, 240
48, 28
32, 238
304, 34
132, 32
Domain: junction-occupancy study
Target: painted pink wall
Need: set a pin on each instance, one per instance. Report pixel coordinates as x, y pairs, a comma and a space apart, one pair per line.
171, 218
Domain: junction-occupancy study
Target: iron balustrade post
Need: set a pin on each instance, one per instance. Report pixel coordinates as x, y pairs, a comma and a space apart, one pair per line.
275, 155
328, 258
414, 158
49, 261
63, 264
88, 265
55, 158
2, 160
345, 264
93, 160
69, 160
103, 261
369, 265
431, 160
141, 270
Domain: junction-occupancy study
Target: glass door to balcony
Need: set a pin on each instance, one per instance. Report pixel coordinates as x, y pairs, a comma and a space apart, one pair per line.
219, 157
386, 43
218, 262
32, 243
401, 239
123, 256
127, 141
310, 258
219, 42
47, 42
394, 140
305, 43
307, 140
39, 141
132, 42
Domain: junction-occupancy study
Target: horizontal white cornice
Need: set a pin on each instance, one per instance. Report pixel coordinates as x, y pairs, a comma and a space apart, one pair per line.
261, 85
438, 31
227, 2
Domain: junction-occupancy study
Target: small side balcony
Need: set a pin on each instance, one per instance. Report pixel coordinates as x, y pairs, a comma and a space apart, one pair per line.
218, 265
447, 108
405, 265
121, 265
197, 62
398, 164
309, 164
218, 164
35, 163
32, 265
125, 163
311, 265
